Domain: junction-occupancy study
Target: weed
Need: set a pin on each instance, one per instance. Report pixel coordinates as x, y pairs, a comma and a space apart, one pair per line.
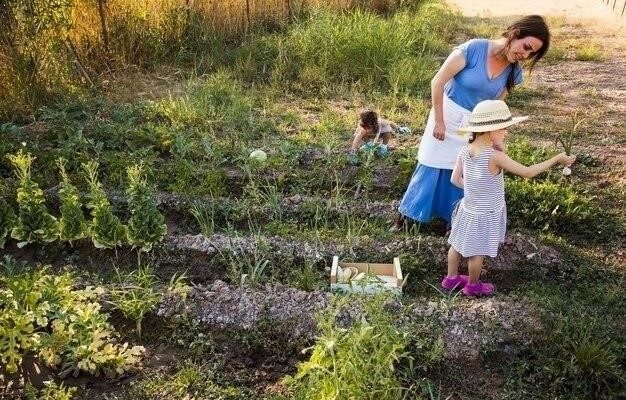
135, 294
588, 52
204, 213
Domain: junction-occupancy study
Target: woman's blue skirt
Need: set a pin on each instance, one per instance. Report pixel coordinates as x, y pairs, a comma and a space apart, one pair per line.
430, 194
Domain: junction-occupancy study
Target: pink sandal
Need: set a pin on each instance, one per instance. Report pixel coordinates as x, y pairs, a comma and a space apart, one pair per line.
454, 283
479, 289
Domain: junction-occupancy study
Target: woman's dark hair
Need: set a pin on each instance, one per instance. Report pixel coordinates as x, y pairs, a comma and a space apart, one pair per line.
530, 25
369, 118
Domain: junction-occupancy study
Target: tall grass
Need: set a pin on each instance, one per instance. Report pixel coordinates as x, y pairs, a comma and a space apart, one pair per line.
54, 47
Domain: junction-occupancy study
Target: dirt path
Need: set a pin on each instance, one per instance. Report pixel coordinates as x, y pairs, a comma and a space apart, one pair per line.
584, 11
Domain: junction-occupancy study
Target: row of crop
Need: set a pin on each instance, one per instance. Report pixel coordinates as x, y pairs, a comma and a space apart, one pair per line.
34, 223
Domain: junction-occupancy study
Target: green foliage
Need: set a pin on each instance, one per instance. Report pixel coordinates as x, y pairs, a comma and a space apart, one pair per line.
44, 314
146, 225
537, 204
32, 70
51, 391
357, 362
586, 51
72, 224
34, 223
135, 294
191, 380
7, 219
330, 48
524, 152
204, 213
105, 228
307, 278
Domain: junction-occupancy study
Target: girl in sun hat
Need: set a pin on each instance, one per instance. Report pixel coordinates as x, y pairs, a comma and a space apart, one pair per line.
479, 219
477, 70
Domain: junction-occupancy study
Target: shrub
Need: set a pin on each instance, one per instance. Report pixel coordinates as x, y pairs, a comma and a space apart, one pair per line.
34, 223
45, 314
105, 229
146, 225
72, 224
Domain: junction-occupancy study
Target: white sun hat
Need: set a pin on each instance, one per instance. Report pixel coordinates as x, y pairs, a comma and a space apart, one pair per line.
490, 115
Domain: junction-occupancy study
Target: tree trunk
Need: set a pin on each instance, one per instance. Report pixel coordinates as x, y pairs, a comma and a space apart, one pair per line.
103, 24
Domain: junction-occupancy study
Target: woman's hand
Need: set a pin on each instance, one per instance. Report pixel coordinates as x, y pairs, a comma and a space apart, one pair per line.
439, 132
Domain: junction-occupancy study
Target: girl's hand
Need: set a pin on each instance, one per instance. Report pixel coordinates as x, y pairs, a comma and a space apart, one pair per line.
566, 160
439, 132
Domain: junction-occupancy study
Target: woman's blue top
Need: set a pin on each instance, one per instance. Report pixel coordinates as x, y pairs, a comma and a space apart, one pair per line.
472, 84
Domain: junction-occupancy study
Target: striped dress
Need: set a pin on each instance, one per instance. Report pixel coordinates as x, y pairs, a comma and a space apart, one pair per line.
479, 220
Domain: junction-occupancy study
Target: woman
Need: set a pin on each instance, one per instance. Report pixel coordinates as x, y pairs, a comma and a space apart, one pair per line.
477, 70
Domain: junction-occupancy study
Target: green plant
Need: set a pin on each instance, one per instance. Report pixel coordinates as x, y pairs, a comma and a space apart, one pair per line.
583, 362
307, 278
244, 268
72, 224
135, 294
11, 266
566, 139
34, 223
190, 380
46, 315
588, 52
204, 213
353, 231
51, 391
105, 228
7, 219
548, 205
357, 362
146, 225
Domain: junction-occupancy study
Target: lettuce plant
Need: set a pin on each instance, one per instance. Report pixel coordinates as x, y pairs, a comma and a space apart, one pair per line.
72, 224
34, 223
47, 315
105, 229
146, 225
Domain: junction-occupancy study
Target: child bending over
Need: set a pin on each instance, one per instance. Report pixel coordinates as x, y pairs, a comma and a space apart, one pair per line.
371, 128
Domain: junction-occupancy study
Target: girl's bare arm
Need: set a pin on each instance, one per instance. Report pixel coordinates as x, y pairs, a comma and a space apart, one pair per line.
501, 160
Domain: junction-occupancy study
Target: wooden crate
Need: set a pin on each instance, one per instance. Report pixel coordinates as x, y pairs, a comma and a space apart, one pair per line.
391, 274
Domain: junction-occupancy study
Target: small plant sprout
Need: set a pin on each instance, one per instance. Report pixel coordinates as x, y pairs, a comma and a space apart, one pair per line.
106, 230
72, 224
567, 139
34, 223
146, 225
